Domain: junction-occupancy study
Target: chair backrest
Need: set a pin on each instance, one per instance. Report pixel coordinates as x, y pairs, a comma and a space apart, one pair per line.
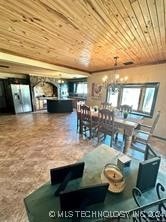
125, 108
85, 113
79, 104
155, 122
149, 153
105, 105
106, 118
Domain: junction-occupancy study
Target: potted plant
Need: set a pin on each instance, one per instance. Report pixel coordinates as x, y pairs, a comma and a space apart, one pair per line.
125, 114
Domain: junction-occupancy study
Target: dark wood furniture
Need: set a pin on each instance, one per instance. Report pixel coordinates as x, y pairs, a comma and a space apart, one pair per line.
125, 108
105, 105
86, 121
78, 107
106, 124
129, 125
59, 106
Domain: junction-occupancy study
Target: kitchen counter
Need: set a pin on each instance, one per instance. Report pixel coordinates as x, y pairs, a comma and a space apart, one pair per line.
55, 105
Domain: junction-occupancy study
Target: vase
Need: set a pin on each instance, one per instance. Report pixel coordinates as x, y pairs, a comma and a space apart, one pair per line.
125, 115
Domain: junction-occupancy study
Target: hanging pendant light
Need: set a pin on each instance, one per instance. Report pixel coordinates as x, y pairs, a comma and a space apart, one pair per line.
116, 82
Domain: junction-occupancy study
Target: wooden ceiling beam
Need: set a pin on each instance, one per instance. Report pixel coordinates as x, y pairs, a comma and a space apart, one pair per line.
31, 62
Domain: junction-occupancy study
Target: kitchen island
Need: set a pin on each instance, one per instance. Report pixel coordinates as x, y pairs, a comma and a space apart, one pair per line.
59, 105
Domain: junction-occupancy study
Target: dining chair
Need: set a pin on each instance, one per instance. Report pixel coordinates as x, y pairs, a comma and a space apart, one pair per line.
124, 109
86, 121
106, 124
78, 108
105, 105
144, 132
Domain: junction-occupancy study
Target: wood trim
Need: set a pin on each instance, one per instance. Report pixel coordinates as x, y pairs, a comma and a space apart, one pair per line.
36, 63
159, 137
130, 66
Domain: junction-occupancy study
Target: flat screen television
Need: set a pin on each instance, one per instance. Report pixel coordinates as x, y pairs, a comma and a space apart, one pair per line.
64, 174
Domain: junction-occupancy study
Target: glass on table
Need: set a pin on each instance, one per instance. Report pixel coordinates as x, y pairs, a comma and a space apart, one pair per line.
117, 113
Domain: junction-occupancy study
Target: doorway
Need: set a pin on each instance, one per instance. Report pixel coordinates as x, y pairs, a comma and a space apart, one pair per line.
42, 91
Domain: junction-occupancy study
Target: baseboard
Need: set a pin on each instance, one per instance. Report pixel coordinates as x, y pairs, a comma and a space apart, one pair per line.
158, 137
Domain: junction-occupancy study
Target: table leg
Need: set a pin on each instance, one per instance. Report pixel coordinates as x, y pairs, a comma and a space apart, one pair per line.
80, 129
128, 140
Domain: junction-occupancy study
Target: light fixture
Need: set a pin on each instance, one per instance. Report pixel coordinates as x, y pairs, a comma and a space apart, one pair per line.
60, 80
116, 82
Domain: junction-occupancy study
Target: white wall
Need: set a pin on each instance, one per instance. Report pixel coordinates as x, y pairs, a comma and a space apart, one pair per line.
142, 74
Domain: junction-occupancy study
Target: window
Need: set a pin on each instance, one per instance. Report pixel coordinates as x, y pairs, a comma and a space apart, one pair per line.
148, 99
131, 100
81, 88
113, 98
141, 97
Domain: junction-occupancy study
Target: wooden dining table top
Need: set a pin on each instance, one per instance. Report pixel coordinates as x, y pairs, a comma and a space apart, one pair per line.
132, 119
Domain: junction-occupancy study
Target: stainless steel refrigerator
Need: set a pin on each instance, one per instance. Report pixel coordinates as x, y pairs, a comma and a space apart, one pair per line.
21, 98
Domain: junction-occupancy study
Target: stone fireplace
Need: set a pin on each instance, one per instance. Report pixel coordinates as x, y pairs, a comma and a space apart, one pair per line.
42, 88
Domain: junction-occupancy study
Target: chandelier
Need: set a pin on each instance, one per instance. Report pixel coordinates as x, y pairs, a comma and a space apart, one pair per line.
116, 82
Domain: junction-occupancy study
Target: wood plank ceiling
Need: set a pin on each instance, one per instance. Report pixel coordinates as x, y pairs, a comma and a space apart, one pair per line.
85, 34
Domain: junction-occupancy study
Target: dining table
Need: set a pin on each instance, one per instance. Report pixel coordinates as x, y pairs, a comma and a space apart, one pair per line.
128, 124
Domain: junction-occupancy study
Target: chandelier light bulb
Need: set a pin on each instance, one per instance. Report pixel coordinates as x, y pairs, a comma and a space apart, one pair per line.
116, 81
105, 78
126, 78
60, 80
117, 76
